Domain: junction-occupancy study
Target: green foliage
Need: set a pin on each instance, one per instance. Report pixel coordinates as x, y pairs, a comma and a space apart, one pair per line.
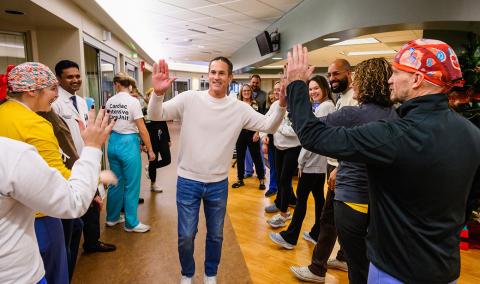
469, 59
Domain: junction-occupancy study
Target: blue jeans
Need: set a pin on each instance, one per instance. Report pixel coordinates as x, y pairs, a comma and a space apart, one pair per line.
377, 276
249, 162
189, 195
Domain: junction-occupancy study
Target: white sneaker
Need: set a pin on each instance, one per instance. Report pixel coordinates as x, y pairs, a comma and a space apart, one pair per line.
155, 188
279, 240
303, 273
186, 280
113, 223
306, 236
337, 264
146, 171
209, 279
140, 228
278, 220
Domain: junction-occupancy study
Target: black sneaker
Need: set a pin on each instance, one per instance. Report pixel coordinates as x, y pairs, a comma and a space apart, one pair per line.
261, 186
270, 192
238, 184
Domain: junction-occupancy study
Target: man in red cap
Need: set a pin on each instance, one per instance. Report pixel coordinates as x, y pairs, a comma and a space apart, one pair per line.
423, 167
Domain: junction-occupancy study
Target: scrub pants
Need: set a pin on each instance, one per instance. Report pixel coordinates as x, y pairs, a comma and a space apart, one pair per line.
125, 162
51, 243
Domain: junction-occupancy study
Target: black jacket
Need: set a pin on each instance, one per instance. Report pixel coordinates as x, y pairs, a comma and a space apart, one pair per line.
421, 169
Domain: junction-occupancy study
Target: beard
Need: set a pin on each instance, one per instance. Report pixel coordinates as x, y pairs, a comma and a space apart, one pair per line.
341, 87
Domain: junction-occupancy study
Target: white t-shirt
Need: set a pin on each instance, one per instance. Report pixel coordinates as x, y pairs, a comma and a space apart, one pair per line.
28, 184
210, 128
126, 109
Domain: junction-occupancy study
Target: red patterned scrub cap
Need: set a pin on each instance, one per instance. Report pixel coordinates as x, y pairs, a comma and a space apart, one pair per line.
30, 76
433, 58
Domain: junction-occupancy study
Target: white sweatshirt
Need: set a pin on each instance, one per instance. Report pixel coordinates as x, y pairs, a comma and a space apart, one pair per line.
285, 137
210, 129
27, 185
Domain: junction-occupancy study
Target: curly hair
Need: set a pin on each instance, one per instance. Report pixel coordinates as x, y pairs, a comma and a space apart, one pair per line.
371, 81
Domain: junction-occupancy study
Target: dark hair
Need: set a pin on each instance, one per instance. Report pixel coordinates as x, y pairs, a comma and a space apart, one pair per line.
324, 85
223, 59
256, 76
371, 81
64, 64
123, 79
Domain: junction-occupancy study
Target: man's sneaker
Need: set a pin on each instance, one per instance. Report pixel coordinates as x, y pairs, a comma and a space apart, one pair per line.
113, 223
155, 188
238, 184
278, 220
337, 264
146, 172
261, 186
270, 192
209, 279
140, 228
186, 280
303, 273
272, 208
307, 237
279, 240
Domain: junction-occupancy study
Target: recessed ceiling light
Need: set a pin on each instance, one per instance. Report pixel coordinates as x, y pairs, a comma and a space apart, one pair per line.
277, 58
14, 12
372, 52
356, 41
201, 46
331, 39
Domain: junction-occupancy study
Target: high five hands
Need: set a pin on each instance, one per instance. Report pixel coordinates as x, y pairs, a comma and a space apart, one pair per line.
161, 80
297, 67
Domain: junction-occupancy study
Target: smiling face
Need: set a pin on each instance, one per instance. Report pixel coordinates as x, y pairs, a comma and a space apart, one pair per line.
218, 78
246, 93
44, 98
70, 80
276, 90
338, 77
315, 92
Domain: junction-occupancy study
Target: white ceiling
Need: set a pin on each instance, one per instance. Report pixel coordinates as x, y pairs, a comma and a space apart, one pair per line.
387, 41
165, 28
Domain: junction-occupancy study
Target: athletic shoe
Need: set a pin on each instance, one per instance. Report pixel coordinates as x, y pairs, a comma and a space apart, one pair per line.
238, 184
279, 240
140, 228
186, 280
155, 188
303, 273
209, 279
307, 237
278, 220
337, 264
113, 223
272, 208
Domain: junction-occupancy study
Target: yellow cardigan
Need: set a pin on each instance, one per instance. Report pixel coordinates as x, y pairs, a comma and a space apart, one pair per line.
18, 122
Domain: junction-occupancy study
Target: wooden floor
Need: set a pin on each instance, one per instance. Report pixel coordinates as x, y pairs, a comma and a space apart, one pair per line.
248, 255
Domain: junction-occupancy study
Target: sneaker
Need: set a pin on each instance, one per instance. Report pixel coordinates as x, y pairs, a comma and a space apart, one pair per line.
146, 171
270, 192
307, 237
279, 240
186, 280
261, 186
303, 273
155, 188
337, 264
209, 279
272, 208
113, 223
238, 184
140, 228
278, 220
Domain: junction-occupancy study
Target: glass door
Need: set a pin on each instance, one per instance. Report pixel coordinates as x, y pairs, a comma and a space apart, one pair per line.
107, 72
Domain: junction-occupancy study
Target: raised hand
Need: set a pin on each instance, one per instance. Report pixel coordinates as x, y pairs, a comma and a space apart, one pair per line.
161, 80
98, 129
297, 66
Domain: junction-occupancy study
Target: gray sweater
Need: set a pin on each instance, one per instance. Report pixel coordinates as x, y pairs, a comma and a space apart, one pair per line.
309, 162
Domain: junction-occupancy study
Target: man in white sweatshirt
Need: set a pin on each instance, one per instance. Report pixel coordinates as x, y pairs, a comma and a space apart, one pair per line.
211, 125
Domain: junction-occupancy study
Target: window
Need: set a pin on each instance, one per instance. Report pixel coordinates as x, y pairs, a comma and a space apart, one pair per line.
12, 49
